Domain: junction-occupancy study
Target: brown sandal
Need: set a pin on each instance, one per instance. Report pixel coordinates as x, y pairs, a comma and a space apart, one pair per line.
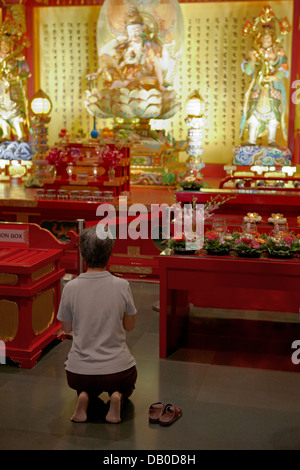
155, 411
169, 414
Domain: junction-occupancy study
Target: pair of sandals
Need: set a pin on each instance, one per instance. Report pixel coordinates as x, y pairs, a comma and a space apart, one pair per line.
162, 414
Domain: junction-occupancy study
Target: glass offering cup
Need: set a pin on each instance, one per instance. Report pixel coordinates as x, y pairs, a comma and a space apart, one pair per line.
249, 228
219, 225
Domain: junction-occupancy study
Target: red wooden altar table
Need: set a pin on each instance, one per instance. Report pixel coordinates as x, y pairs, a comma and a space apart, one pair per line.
137, 259
225, 283
244, 201
30, 274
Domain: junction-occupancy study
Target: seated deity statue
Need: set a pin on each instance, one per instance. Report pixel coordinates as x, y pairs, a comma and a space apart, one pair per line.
136, 65
265, 101
133, 63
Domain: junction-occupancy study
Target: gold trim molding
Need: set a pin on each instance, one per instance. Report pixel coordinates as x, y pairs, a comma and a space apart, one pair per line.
42, 272
9, 320
42, 311
8, 279
18, 203
130, 269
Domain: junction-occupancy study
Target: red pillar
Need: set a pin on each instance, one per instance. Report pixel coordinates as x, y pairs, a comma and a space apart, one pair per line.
29, 53
293, 134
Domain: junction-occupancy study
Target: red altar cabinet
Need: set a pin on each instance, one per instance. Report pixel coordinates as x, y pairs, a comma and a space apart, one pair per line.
30, 276
228, 283
83, 167
243, 201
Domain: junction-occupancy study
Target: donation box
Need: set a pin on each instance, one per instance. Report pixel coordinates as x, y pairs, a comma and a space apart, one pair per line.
30, 289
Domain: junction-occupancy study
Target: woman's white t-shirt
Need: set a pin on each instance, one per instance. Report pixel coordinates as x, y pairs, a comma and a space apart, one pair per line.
95, 303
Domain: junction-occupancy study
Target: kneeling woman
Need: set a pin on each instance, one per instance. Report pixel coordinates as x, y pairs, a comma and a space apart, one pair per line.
98, 308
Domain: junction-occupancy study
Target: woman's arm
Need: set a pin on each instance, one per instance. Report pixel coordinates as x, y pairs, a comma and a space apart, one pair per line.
129, 322
66, 326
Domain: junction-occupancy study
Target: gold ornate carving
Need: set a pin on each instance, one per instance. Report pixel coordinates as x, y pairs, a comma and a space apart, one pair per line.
244, 173
17, 11
22, 217
42, 311
118, 181
297, 104
133, 250
17, 171
42, 272
276, 174
9, 320
18, 203
76, 186
126, 255
46, 2
88, 168
8, 279
131, 269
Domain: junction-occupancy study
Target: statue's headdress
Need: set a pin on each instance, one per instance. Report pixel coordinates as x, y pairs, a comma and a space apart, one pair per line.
267, 23
11, 32
133, 17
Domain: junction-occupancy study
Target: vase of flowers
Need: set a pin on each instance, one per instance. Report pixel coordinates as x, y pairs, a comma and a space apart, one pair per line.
111, 173
248, 246
54, 158
110, 158
284, 247
298, 243
188, 223
183, 245
217, 243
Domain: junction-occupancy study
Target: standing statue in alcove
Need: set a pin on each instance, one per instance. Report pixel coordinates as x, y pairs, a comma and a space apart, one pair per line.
267, 64
14, 72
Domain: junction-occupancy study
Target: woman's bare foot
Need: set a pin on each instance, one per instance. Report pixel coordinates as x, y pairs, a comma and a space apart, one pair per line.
114, 412
80, 413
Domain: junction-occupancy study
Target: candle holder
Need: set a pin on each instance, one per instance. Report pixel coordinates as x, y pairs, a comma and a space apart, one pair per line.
252, 217
277, 219
195, 107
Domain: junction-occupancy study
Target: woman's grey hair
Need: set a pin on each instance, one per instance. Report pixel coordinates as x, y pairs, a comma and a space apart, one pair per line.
96, 245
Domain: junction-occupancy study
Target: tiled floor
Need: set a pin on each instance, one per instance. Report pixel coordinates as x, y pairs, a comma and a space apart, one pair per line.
224, 407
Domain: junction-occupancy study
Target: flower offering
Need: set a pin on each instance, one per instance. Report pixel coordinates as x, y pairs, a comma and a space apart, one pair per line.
55, 156
192, 182
218, 243
282, 245
110, 156
249, 245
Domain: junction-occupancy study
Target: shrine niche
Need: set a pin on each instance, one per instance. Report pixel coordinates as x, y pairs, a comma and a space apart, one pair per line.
265, 96
139, 47
15, 127
14, 72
